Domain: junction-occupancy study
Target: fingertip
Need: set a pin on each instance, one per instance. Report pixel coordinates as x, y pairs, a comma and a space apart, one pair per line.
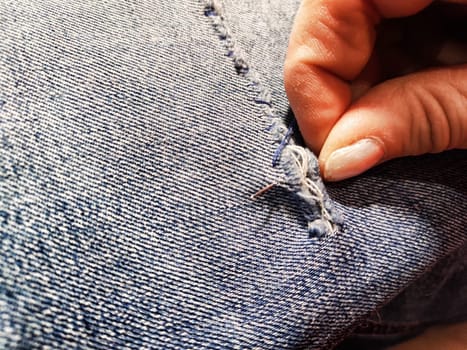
366, 135
353, 160
411, 115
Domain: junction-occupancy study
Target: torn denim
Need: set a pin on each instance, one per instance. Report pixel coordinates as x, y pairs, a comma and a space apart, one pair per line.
133, 135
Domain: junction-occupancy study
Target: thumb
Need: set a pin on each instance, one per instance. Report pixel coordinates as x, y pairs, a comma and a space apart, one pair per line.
425, 112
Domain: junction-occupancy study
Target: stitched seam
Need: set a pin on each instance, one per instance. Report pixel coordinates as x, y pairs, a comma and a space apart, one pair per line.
298, 164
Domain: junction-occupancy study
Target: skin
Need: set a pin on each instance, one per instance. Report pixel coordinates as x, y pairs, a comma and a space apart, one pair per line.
352, 73
385, 71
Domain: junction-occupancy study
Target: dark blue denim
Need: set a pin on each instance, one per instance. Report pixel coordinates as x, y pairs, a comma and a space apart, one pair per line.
133, 135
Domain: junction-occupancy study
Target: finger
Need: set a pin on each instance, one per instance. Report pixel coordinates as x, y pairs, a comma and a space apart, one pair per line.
415, 114
330, 44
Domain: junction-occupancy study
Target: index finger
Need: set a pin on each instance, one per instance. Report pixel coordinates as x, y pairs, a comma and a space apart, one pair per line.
330, 44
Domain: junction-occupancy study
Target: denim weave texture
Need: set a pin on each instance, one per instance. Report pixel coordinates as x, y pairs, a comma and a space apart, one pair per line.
130, 146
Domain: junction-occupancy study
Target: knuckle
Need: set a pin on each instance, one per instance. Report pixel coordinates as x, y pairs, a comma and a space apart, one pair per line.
432, 126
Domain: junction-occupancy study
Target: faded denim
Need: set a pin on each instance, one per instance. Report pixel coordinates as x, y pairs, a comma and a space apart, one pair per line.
132, 137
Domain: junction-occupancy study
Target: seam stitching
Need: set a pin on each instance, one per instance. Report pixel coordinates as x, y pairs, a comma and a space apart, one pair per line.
298, 164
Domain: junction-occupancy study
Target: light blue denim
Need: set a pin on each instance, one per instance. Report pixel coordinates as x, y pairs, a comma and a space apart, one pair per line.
133, 134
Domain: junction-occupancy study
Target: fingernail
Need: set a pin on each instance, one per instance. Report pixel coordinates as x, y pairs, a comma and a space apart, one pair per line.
353, 160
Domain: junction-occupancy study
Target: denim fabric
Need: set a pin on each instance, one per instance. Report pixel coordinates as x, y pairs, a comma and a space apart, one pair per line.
437, 297
132, 137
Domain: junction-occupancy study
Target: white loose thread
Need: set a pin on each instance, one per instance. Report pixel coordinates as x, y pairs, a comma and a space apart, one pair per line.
309, 188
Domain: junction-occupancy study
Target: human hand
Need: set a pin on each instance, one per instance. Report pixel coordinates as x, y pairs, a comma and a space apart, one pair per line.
366, 87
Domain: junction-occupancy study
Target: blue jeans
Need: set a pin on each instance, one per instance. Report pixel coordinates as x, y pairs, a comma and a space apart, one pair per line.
154, 193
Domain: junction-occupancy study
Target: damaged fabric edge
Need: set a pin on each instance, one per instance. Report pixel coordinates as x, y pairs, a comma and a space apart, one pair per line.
299, 165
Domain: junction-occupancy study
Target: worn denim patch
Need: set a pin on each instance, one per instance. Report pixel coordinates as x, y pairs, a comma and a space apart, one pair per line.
131, 143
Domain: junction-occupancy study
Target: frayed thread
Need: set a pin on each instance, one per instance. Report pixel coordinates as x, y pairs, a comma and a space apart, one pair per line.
299, 165
303, 178
212, 10
283, 144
